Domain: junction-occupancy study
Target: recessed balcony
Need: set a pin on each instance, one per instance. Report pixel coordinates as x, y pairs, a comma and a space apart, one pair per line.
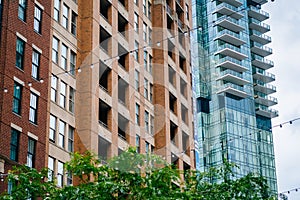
229, 23
261, 62
233, 77
259, 26
258, 13
230, 37
233, 89
232, 51
265, 111
262, 75
260, 49
259, 37
265, 100
236, 3
231, 63
229, 10
265, 88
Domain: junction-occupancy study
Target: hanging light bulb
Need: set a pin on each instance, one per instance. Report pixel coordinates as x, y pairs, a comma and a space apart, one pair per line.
29, 84
5, 90
79, 70
158, 44
41, 80
92, 66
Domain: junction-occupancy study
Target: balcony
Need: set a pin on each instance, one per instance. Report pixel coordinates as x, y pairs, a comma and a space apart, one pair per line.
233, 89
169, 11
265, 88
230, 37
259, 26
265, 100
231, 63
260, 38
229, 10
261, 62
265, 111
235, 3
260, 49
262, 75
229, 23
233, 77
232, 51
261, 2
258, 13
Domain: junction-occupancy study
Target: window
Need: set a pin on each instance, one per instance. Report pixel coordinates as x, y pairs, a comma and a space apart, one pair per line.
33, 108
69, 179
150, 36
53, 88
65, 20
17, 98
61, 136
71, 99
35, 64
71, 139
137, 143
145, 27
60, 174
52, 128
147, 147
56, 10
136, 22
37, 23
151, 125
136, 50
151, 92
187, 11
14, 144
150, 64
55, 42
136, 80
137, 114
31, 152
147, 121
146, 60
144, 7
20, 53
146, 88
149, 10
74, 23
72, 62
64, 58
62, 95
22, 10
136, 2
51, 162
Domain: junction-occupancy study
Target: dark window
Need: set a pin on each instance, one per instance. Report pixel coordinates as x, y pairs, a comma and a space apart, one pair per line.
20, 53
202, 105
31, 152
14, 144
103, 148
73, 23
22, 10
35, 64
71, 139
17, 98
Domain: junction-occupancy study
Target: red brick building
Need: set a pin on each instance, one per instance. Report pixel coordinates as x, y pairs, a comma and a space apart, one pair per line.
24, 72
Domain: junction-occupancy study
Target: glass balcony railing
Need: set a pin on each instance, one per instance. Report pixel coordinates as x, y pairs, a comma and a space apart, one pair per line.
259, 34
265, 85
241, 36
264, 73
265, 97
261, 46
231, 72
253, 8
234, 48
225, 5
266, 109
234, 21
227, 58
257, 22
262, 59
234, 86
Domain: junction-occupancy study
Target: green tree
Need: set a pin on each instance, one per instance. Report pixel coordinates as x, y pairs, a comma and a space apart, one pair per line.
134, 176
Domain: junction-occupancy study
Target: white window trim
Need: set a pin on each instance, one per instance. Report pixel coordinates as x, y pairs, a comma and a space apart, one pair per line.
36, 48
19, 81
21, 37
35, 91
39, 5
31, 135
18, 128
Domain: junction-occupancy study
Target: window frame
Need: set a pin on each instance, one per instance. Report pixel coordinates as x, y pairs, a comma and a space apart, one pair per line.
71, 132
147, 114
31, 152
22, 8
62, 94
65, 16
56, 10
33, 107
20, 52
61, 133
35, 70
55, 49
64, 56
54, 84
74, 23
17, 99
137, 113
14, 145
37, 21
52, 127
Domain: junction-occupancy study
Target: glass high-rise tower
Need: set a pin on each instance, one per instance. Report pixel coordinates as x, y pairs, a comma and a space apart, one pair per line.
232, 87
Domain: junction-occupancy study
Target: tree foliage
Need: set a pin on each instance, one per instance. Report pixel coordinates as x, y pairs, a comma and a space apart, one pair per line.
137, 177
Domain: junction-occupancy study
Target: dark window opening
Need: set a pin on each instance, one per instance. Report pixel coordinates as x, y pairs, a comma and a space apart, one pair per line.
182, 63
105, 40
173, 133
123, 127
123, 57
202, 105
105, 10
185, 143
172, 77
184, 114
105, 77
122, 91
183, 87
122, 26
103, 148
104, 114
171, 48
173, 103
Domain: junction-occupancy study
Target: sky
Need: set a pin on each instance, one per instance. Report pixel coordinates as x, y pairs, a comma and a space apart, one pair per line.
285, 32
